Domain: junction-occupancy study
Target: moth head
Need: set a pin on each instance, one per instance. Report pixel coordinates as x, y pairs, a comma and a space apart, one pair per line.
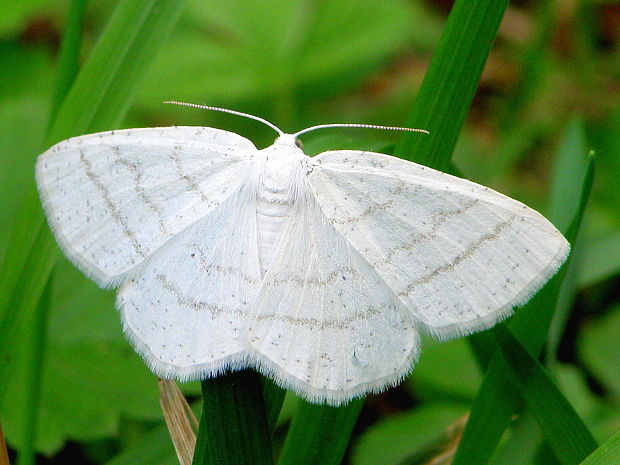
288, 140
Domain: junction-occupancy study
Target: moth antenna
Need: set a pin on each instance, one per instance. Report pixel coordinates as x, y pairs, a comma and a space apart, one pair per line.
355, 125
226, 110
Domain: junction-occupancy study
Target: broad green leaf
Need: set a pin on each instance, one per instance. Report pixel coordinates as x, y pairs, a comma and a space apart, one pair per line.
566, 433
153, 448
396, 438
150, 445
86, 390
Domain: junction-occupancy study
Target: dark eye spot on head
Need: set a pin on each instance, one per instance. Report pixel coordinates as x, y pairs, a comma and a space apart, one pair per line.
299, 144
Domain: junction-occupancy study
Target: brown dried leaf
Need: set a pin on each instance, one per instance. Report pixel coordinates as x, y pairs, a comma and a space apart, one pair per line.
181, 421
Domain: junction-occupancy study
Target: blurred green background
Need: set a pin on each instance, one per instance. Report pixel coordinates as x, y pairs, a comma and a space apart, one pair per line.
552, 78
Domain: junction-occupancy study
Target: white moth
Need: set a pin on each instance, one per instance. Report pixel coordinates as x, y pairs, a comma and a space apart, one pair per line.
319, 272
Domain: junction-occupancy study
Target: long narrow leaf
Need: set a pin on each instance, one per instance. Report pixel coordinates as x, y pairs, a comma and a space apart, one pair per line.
451, 81
568, 165
533, 67
496, 400
607, 454
320, 434
69, 60
568, 436
35, 348
37, 269
134, 34
180, 420
36, 340
23, 236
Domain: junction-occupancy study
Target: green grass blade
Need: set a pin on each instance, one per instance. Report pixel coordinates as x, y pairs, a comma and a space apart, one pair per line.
320, 434
440, 107
35, 341
69, 60
533, 67
565, 432
23, 236
607, 454
496, 401
35, 348
568, 165
233, 426
450, 82
37, 269
135, 33
539, 311
490, 415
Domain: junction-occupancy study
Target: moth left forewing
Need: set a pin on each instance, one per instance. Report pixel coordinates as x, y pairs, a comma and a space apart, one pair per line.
324, 323
113, 198
458, 254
